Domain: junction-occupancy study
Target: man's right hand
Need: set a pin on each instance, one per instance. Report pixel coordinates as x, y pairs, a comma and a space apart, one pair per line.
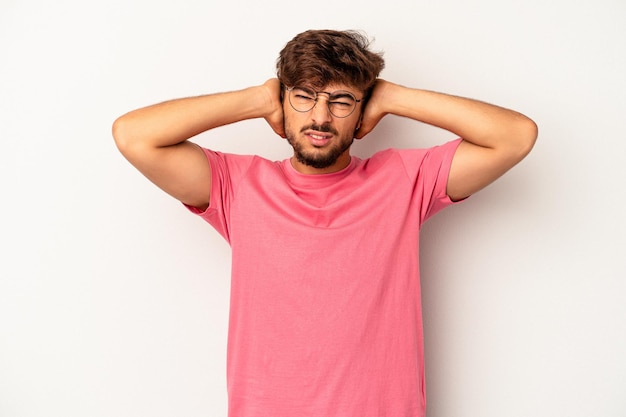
275, 107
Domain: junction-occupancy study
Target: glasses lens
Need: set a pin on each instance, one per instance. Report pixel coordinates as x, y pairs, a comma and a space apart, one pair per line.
340, 103
302, 99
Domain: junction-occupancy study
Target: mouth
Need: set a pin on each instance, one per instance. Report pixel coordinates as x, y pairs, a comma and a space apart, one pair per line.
318, 138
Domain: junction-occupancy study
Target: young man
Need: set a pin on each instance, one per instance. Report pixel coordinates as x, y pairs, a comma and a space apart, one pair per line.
325, 300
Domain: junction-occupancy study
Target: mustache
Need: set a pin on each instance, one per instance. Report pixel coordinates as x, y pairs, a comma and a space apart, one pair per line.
326, 128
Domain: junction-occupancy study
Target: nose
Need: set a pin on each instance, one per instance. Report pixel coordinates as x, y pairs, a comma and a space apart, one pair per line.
321, 112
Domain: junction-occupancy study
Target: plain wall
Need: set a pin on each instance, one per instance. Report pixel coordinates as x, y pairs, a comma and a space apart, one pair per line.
114, 299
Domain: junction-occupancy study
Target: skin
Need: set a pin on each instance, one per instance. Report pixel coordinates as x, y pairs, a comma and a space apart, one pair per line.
306, 134
155, 138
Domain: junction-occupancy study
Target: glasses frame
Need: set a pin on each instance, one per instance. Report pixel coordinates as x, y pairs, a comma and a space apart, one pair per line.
316, 97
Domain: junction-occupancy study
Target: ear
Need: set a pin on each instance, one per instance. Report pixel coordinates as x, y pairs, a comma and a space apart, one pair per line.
358, 124
356, 130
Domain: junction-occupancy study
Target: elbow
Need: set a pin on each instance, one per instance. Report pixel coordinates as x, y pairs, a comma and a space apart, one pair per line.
532, 132
526, 133
120, 132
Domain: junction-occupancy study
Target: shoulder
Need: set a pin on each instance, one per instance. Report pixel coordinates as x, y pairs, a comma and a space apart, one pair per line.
225, 161
413, 163
426, 157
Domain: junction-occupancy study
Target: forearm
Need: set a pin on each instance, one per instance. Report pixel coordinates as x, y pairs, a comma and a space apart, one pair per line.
175, 121
477, 122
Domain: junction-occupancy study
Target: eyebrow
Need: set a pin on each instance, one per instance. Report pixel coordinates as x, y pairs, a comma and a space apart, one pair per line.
342, 94
334, 94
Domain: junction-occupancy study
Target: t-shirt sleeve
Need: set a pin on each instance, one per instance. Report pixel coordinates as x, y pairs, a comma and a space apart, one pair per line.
227, 170
429, 169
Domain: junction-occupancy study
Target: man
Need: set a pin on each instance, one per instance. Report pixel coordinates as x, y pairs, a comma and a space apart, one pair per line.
325, 300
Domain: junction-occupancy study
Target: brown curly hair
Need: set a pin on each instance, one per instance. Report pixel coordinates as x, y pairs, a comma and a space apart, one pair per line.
317, 58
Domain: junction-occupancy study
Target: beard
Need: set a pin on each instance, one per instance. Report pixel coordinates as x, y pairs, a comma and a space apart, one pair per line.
320, 157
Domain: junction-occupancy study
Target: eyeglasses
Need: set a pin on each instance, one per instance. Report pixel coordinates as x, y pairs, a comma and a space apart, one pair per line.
340, 103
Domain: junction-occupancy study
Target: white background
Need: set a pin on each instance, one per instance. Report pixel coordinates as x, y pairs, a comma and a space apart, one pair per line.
114, 299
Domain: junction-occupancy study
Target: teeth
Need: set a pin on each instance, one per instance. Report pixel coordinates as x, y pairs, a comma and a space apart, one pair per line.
318, 137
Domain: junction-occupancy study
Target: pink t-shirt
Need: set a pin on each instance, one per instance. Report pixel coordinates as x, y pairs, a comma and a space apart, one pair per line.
325, 316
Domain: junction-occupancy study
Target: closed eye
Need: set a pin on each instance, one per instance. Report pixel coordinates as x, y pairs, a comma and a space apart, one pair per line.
342, 103
304, 97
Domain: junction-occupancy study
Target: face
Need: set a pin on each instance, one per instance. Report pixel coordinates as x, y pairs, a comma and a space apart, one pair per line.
321, 141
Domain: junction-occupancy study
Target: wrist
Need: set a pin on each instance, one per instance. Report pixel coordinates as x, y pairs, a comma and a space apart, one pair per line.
381, 100
392, 97
269, 94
